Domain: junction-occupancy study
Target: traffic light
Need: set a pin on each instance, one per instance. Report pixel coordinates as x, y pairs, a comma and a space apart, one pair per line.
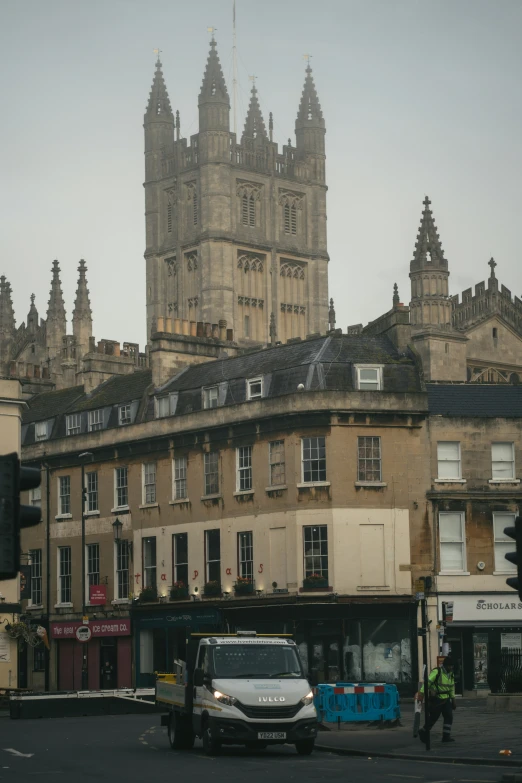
515, 557
13, 516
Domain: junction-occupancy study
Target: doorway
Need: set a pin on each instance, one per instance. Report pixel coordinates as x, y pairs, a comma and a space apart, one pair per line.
455, 645
108, 664
325, 656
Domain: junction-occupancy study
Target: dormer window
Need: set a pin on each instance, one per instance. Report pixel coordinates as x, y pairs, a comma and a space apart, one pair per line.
166, 406
210, 397
124, 415
254, 388
95, 420
41, 430
73, 424
369, 378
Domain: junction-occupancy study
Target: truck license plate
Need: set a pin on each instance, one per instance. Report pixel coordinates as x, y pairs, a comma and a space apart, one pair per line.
274, 735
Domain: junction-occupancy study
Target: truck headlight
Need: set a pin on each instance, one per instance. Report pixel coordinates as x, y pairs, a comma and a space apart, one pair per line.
308, 699
224, 699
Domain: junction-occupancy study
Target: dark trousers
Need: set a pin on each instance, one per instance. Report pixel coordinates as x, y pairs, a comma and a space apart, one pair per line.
438, 707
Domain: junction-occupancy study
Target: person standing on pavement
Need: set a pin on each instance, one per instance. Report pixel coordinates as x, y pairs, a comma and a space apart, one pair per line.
441, 696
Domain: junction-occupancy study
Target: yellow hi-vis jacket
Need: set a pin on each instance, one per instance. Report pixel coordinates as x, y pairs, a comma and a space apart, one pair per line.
441, 684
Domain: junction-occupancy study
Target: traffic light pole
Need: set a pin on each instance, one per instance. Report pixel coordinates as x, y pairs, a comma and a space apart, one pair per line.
48, 571
85, 679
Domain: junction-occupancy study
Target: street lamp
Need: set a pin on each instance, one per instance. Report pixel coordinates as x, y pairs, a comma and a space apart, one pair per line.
82, 456
117, 528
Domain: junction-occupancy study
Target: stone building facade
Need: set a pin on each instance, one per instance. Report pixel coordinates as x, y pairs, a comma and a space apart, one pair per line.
231, 477
43, 357
476, 469
477, 340
235, 229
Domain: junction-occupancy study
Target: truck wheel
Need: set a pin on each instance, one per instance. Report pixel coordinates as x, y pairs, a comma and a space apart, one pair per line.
181, 736
305, 747
211, 746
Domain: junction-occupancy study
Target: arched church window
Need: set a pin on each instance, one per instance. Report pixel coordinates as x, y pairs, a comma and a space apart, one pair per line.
286, 210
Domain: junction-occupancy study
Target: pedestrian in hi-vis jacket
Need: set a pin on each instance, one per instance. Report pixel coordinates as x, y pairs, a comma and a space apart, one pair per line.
441, 695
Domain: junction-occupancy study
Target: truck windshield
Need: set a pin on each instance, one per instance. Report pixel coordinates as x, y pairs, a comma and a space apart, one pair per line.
256, 661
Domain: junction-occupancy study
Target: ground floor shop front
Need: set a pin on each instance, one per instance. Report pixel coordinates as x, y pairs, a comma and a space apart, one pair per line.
484, 634
92, 656
374, 641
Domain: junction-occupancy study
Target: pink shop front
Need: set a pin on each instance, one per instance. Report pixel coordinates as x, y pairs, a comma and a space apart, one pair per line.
95, 656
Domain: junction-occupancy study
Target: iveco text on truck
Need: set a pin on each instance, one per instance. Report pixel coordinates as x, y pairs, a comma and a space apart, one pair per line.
239, 689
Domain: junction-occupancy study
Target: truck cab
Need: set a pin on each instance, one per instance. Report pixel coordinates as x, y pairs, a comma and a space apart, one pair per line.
245, 689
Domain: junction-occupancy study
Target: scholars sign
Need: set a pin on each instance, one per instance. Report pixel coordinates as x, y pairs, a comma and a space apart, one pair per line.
492, 607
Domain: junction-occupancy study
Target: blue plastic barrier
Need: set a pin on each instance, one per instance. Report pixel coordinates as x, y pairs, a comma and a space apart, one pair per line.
364, 702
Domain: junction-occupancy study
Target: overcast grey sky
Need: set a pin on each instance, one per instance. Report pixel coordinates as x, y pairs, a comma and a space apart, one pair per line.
419, 97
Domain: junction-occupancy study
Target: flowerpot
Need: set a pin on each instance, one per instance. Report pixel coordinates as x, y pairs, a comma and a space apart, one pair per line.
148, 596
311, 584
243, 588
212, 589
178, 593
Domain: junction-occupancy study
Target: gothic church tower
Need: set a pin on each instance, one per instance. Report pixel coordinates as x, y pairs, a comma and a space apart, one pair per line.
235, 230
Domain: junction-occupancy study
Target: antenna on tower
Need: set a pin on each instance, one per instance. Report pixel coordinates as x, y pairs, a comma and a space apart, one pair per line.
234, 64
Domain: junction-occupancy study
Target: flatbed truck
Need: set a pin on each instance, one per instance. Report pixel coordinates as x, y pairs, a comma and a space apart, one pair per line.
238, 689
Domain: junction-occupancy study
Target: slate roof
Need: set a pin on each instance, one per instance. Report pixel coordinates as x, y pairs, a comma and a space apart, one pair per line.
479, 400
342, 350
49, 404
322, 363
120, 388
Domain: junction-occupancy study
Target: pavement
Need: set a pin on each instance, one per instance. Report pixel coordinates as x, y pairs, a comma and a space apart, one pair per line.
134, 749
479, 737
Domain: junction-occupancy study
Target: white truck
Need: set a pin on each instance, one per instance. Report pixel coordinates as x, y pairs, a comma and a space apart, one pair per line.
239, 689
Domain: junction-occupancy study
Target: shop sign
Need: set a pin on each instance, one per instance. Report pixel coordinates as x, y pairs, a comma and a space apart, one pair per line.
503, 607
181, 618
25, 582
116, 627
98, 594
511, 641
83, 633
5, 648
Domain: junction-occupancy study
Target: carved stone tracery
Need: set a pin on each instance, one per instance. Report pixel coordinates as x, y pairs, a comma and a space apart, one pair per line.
292, 198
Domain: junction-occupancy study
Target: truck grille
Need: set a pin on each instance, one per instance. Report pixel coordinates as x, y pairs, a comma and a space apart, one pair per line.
268, 712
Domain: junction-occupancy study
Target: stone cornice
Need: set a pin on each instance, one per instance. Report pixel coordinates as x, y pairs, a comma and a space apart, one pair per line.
288, 409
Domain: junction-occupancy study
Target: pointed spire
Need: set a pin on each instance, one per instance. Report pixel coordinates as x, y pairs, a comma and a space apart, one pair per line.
32, 316
273, 329
254, 123
310, 113
396, 298
213, 87
82, 305
159, 107
7, 319
56, 305
271, 125
331, 316
177, 125
428, 249
82, 313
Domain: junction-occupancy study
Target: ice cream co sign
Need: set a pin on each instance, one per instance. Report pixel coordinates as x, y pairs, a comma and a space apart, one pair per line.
68, 630
503, 607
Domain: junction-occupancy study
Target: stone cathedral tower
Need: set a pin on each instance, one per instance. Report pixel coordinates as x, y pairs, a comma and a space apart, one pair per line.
235, 230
